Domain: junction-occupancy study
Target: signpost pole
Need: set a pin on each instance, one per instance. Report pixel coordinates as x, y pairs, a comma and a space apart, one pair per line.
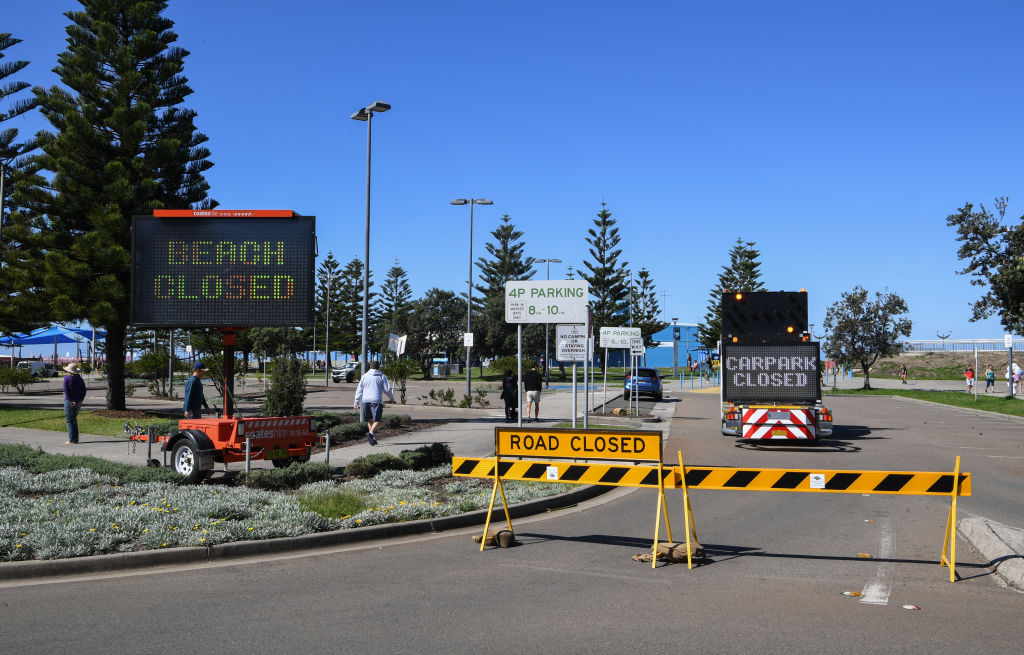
604, 403
586, 366
519, 380
574, 394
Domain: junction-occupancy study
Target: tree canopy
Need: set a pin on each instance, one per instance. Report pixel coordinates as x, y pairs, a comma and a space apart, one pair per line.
861, 330
994, 253
608, 277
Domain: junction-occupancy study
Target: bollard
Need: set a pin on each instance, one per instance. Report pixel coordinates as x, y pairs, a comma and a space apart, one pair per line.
327, 451
248, 452
150, 437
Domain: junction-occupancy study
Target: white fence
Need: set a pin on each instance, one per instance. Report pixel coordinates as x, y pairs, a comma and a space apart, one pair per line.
958, 345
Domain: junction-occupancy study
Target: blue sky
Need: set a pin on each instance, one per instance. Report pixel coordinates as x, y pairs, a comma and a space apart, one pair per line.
835, 135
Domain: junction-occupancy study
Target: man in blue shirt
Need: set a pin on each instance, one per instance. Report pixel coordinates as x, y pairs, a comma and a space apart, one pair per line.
194, 399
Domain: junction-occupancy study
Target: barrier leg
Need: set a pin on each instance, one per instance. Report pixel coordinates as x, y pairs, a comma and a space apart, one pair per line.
490, 506
687, 513
949, 540
662, 508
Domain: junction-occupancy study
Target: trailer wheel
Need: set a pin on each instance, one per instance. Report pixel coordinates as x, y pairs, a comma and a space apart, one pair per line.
185, 461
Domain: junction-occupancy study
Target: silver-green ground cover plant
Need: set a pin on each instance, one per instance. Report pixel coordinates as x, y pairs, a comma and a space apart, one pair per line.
76, 512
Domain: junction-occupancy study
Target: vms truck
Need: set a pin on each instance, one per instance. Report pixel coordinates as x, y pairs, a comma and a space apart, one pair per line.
771, 370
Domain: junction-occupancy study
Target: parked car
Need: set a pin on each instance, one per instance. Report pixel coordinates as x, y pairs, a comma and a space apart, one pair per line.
39, 369
349, 372
647, 383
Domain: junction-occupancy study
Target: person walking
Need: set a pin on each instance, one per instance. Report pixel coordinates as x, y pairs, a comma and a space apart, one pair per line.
510, 393
990, 379
370, 392
903, 373
195, 401
74, 395
532, 383
969, 374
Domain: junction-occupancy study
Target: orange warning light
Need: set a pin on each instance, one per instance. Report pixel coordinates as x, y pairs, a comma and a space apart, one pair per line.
739, 296
735, 339
790, 329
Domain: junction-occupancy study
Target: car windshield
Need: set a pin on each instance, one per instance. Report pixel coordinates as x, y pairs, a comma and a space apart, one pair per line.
647, 373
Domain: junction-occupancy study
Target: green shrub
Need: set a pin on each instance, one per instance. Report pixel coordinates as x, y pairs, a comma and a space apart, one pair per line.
371, 465
292, 476
415, 459
287, 389
395, 420
15, 377
163, 426
327, 420
347, 432
426, 457
333, 504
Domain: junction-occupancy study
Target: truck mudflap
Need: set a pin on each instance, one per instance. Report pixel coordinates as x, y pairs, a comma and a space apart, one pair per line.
779, 423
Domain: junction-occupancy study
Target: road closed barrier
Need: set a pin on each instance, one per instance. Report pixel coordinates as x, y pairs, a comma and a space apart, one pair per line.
633, 459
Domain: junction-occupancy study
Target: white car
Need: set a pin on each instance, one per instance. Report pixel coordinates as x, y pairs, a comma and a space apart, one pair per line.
39, 369
349, 372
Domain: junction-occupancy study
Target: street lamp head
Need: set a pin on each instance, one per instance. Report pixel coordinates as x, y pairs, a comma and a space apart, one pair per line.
360, 115
379, 106
460, 201
483, 201
364, 113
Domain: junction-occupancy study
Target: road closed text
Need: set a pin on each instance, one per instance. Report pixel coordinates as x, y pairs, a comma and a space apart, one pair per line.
592, 444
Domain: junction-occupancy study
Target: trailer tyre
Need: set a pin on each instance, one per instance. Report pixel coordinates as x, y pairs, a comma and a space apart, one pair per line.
185, 461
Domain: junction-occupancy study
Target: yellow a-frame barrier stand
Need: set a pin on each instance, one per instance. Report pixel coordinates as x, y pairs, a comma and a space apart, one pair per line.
949, 541
490, 508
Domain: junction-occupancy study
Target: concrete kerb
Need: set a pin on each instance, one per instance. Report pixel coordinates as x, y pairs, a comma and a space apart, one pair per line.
117, 562
1001, 545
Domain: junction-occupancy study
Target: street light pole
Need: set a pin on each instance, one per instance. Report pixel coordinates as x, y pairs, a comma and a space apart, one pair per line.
366, 114
547, 357
469, 293
327, 337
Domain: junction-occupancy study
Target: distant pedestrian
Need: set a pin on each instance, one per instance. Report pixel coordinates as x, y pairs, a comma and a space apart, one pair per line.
532, 383
195, 401
370, 392
990, 379
510, 394
903, 373
969, 374
74, 395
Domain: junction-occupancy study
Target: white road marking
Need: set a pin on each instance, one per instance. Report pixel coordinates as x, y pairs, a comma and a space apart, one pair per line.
878, 588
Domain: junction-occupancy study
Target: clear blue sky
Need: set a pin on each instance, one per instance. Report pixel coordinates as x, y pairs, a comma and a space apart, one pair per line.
836, 135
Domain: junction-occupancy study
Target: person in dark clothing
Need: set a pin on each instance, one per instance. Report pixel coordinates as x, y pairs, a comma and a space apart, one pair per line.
532, 383
509, 393
195, 401
74, 394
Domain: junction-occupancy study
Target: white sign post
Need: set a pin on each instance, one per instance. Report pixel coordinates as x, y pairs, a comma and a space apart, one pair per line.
615, 337
636, 350
467, 341
571, 343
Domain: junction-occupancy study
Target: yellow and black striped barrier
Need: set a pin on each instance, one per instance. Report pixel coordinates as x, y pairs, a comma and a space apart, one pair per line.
622, 474
917, 483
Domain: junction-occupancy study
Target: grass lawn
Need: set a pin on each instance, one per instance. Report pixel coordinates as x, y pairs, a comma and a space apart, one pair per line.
988, 403
53, 419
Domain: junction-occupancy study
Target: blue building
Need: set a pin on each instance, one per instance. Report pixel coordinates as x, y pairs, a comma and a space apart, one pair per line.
661, 354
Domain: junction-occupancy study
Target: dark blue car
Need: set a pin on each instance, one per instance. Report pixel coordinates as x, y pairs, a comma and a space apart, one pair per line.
647, 383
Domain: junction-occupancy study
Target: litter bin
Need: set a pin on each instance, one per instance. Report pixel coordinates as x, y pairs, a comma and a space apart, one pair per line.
439, 371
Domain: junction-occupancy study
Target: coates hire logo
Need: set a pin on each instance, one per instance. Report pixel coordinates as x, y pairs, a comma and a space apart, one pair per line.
273, 434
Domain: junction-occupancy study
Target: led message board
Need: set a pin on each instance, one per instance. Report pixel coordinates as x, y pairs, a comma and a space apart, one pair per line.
222, 268
764, 316
771, 373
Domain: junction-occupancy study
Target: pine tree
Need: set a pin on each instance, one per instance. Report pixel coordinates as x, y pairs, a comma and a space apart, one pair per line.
608, 279
506, 263
328, 294
350, 315
742, 274
15, 229
645, 309
121, 145
395, 304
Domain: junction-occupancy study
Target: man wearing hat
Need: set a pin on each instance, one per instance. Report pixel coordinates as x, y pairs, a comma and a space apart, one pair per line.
194, 399
74, 394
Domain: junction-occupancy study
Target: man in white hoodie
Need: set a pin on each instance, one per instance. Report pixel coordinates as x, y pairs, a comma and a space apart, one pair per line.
370, 392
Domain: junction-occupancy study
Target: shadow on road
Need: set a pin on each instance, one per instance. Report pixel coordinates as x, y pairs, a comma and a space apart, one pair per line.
798, 445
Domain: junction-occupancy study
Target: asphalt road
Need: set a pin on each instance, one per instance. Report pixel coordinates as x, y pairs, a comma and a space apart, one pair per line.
778, 564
